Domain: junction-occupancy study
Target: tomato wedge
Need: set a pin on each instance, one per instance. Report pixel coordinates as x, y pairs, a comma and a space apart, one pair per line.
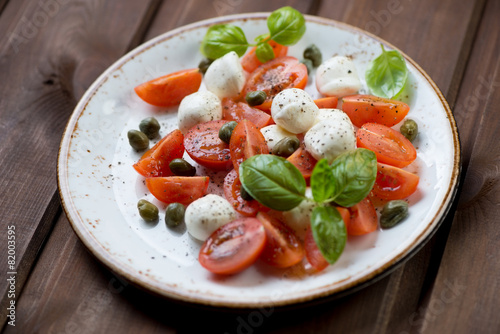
283, 248
394, 183
363, 218
156, 160
304, 162
329, 102
178, 189
274, 76
246, 141
204, 146
233, 247
238, 111
363, 109
250, 61
170, 89
232, 192
313, 254
390, 146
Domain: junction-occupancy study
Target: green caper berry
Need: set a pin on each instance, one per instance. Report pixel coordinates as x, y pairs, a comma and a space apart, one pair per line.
147, 210
150, 127
138, 140
174, 215
286, 146
204, 65
313, 53
226, 131
245, 195
393, 213
181, 167
309, 65
255, 98
409, 129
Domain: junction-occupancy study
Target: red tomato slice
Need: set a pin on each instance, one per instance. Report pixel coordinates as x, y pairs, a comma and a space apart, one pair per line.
274, 76
250, 61
363, 109
232, 192
178, 189
283, 248
156, 160
329, 102
390, 146
233, 247
238, 111
169, 90
304, 162
246, 141
204, 146
394, 183
363, 218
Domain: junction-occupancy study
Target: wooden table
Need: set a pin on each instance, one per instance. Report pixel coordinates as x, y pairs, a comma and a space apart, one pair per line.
52, 50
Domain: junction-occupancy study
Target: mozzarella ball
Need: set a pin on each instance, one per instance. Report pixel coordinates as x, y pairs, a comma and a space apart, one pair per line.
273, 134
299, 218
207, 214
294, 110
199, 107
332, 114
330, 138
225, 76
337, 77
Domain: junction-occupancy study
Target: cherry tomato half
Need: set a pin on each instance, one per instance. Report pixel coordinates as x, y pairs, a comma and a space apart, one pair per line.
283, 248
363, 109
233, 247
204, 146
394, 183
238, 111
364, 218
304, 162
329, 102
169, 90
274, 76
390, 146
232, 192
246, 141
156, 160
178, 189
250, 62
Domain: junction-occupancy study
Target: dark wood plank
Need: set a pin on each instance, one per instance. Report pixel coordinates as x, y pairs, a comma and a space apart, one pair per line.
465, 296
50, 53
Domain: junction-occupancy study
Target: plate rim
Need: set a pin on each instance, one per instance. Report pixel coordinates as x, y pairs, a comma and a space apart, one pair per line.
95, 248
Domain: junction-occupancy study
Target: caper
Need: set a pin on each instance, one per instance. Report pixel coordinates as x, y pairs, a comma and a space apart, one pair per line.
255, 98
393, 213
150, 127
409, 129
181, 167
147, 210
226, 131
138, 140
204, 65
174, 215
313, 53
245, 195
286, 146
309, 65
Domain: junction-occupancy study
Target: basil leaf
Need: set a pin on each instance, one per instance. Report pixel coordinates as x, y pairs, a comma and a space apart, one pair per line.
387, 74
264, 52
322, 182
329, 232
223, 38
286, 25
273, 181
261, 38
354, 174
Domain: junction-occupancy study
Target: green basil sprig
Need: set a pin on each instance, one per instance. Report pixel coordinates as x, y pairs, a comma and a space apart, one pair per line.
286, 26
387, 74
329, 232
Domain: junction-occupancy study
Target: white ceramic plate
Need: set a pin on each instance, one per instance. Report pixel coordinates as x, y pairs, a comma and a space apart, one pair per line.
99, 188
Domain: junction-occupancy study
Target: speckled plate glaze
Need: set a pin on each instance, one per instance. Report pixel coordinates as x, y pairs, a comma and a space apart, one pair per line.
99, 188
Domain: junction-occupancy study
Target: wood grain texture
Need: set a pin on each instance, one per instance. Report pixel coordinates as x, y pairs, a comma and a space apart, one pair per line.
468, 282
51, 53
